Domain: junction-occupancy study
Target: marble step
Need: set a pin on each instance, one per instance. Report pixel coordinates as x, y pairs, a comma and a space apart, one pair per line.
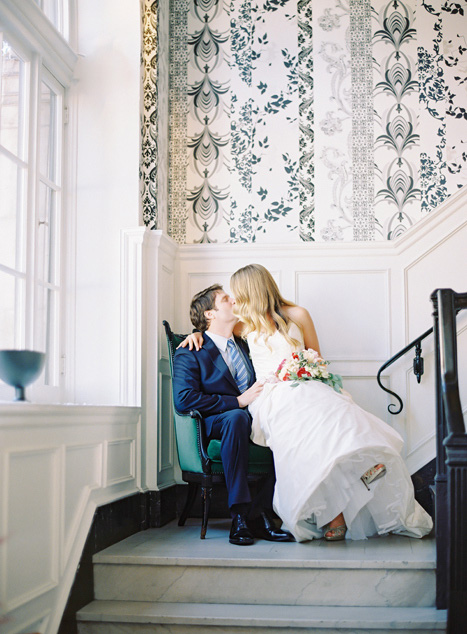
126, 617
173, 565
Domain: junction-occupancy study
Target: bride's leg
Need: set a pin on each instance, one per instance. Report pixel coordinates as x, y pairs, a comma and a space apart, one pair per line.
337, 521
331, 530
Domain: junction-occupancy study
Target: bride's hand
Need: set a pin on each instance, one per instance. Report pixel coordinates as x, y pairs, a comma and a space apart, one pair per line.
250, 394
194, 340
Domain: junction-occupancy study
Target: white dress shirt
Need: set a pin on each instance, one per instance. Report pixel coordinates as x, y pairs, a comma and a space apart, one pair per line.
221, 344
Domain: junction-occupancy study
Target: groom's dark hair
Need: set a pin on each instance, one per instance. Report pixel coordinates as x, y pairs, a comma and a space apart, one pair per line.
201, 302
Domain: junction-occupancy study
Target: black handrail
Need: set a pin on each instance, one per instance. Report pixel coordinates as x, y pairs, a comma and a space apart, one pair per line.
451, 487
418, 368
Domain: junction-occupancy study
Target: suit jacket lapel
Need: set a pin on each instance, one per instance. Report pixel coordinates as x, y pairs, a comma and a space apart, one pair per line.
218, 361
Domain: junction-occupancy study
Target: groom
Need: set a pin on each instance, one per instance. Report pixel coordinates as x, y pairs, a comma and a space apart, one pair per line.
219, 382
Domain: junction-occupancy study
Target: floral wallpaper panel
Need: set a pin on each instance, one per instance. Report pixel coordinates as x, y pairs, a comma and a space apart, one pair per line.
301, 120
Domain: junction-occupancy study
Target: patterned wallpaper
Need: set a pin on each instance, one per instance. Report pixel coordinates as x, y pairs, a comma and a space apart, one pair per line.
301, 120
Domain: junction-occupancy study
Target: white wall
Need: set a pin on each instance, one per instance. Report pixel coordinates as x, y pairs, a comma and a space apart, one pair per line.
107, 101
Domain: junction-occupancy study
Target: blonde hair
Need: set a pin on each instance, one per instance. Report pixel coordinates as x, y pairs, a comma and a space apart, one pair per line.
258, 303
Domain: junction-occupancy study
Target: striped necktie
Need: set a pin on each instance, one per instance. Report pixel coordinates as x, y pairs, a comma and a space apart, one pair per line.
241, 373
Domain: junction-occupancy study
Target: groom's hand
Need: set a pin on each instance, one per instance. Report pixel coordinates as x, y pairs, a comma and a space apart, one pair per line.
250, 394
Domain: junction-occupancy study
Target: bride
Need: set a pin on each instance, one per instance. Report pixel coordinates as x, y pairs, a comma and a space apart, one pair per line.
339, 473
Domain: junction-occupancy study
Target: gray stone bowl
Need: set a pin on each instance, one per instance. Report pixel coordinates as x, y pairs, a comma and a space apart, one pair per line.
19, 368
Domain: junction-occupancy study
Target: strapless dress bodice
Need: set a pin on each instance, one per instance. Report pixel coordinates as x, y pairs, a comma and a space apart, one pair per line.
267, 353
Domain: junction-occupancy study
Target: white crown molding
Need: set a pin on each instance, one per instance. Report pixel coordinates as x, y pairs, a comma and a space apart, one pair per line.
158, 239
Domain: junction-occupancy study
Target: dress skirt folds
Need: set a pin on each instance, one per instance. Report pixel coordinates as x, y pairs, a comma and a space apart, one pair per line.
323, 442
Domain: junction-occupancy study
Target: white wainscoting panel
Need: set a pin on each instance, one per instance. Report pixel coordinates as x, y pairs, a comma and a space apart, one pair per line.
32, 524
51, 483
444, 265
366, 393
350, 310
120, 461
166, 455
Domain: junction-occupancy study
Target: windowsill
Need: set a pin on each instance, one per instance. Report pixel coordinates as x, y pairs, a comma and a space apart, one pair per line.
40, 414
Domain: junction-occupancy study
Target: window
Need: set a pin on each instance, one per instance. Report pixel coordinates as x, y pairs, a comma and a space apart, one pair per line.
32, 139
57, 13
13, 185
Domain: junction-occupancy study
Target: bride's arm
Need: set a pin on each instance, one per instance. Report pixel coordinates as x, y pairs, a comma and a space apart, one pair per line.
195, 339
303, 319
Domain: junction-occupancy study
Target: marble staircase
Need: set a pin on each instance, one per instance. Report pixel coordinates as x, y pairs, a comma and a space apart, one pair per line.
168, 580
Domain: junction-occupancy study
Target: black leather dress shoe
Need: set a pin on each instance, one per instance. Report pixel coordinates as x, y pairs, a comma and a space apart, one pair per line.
263, 527
240, 534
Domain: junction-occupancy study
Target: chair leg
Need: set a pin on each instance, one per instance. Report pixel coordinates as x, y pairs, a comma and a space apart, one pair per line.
190, 498
206, 498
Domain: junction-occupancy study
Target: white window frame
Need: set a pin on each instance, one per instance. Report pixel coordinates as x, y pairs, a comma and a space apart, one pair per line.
62, 15
49, 59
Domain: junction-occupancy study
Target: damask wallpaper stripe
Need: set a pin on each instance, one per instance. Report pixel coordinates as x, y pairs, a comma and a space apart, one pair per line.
333, 121
307, 120
306, 176
396, 100
208, 125
149, 115
178, 116
361, 64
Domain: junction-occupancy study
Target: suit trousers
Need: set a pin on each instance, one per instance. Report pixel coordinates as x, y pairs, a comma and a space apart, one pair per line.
233, 429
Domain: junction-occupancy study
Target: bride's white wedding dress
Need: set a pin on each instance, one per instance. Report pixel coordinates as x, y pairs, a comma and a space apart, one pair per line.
323, 443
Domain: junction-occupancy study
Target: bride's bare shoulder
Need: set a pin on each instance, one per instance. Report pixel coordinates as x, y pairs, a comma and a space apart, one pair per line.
297, 313
303, 319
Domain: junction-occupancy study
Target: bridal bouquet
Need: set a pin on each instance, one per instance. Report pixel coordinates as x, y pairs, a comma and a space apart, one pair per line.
307, 365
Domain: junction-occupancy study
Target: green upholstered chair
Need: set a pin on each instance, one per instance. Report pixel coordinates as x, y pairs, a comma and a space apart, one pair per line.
200, 459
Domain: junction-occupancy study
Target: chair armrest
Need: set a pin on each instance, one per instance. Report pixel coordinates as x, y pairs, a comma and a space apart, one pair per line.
202, 437
191, 441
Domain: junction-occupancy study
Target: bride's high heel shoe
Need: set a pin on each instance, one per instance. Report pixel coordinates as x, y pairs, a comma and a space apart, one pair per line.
378, 471
335, 534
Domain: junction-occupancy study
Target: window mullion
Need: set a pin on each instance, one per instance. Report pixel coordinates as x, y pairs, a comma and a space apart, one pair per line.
32, 197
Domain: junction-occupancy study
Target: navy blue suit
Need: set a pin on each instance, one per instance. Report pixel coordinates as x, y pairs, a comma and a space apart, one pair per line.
203, 381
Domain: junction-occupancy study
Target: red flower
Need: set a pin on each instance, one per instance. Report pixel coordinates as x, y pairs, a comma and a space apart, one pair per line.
303, 372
